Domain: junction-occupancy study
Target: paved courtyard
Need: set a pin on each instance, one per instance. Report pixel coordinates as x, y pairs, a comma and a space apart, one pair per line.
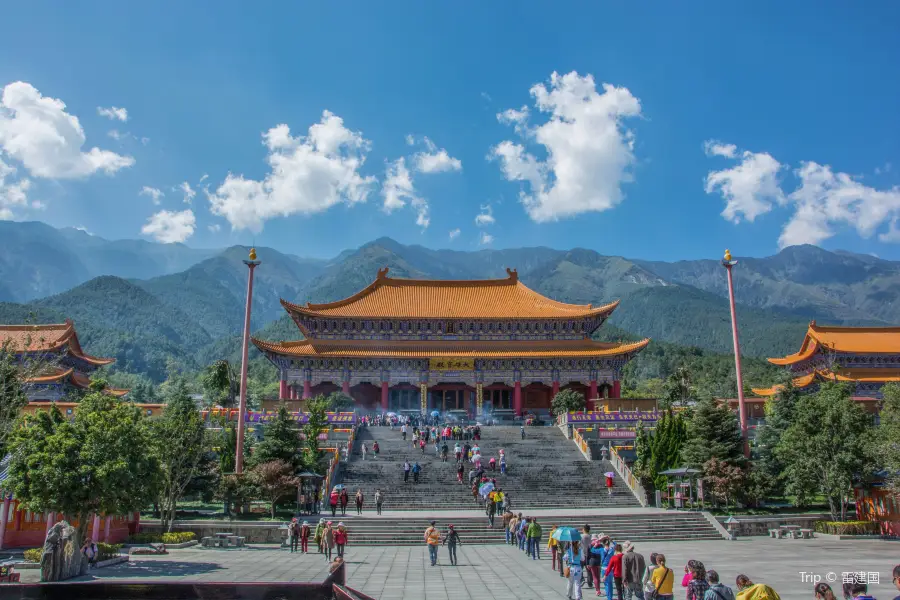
504, 573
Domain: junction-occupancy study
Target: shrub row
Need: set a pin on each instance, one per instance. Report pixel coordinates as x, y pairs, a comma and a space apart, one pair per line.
106, 551
176, 537
33, 555
846, 527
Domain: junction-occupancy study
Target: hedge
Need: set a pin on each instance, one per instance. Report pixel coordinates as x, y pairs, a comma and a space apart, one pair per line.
176, 537
33, 555
108, 551
846, 527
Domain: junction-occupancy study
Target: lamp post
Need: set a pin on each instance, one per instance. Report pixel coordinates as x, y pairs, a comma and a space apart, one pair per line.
728, 263
252, 263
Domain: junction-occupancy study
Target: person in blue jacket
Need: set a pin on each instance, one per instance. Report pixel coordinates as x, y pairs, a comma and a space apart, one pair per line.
607, 550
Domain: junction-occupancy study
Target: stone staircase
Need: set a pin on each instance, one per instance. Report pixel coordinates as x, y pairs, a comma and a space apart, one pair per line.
636, 527
544, 471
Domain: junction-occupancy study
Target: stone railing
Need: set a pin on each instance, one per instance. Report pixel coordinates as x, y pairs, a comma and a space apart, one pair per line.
581, 443
627, 476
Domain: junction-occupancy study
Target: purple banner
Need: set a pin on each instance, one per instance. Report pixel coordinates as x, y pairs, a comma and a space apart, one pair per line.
344, 418
615, 434
612, 417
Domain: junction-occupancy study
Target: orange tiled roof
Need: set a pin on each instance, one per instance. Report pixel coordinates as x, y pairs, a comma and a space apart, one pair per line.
863, 375
420, 349
36, 338
436, 299
861, 340
52, 377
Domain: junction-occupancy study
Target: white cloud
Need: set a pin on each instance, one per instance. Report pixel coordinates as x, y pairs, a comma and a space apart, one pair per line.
485, 238
589, 151
116, 135
13, 194
749, 188
113, 113
398, 189
38, 131
84, 229
454, 233
485, 217
825, 199
715, 148
434, 160
215, 228
169, 226
153, 193
204, 177
517, 118
308, 174
188, 193
38, 205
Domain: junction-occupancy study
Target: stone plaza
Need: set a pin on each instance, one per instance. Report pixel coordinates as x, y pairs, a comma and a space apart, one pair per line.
503, 573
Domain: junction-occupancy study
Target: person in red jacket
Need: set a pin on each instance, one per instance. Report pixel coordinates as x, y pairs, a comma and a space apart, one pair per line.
615, 567
304, 537
340, 539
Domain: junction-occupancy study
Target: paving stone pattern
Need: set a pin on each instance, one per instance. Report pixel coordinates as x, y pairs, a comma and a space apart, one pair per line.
545, 470
503, 573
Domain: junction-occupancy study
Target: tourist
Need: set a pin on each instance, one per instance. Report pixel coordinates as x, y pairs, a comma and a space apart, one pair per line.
415, 471
433, 540
585, 549
457, 451
333, 502
609, 484
491, 513
503, 464
896, 576
379, 500
340, 539
609, 550
698, 585
320, 533
521, 532
359, 501
822, 591
594, 561
375, 449
328, 540
304, 537
747, 589
523, 432
294, 534
403, 431
452, 540
507, 501
513, 527
492, 464
633, 568
444, 451
460, 469
551, 546
575, 560
89, 551
422, 445
561, 548
720, 591
345, 500
857, 590
614, 568
662, 579
534, 538
406, 469
475, 485
364, 450
507, 517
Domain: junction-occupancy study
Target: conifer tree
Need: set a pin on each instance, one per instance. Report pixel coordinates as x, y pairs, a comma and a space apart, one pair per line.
712, 432
779, 416
281, 441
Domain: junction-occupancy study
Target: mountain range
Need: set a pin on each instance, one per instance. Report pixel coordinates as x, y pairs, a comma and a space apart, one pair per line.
148, 304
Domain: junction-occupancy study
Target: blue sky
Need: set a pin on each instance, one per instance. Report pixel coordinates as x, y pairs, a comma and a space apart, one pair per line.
782, 115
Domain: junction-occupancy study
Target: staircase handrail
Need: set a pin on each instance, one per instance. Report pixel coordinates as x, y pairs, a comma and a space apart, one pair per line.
627, 476
581, 443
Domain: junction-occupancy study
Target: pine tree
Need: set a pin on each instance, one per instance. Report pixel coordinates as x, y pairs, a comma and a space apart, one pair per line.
712, 432
779, 416
280, 441
887, 441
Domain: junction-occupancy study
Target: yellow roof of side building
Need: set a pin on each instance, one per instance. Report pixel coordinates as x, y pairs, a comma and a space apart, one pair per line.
854, 340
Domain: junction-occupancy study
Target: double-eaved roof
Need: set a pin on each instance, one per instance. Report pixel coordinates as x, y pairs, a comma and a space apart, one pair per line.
47, 338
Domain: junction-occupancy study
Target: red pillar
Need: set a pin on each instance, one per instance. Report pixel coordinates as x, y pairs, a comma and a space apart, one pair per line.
384, 396
51, 520
283, 392
242, 402
307, 389
592, 401
106, 529
95, 533
345, 388
616, 389
517, 398
555, 390
728, 264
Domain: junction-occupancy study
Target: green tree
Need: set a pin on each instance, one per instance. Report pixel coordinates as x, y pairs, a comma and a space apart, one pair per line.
567, 401
12, 394
660, 450
713, 432
826, 447
280, 441
273, 481
97, 463
887, 441
179, 444
316, 423
340, 402
779, 416
725, 479
220, 384
678, 389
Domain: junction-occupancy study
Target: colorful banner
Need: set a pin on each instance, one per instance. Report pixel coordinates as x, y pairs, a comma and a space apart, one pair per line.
342, 418
615, 417
451, 364
616, 434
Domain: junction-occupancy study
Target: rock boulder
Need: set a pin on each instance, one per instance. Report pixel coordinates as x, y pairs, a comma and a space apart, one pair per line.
62, 558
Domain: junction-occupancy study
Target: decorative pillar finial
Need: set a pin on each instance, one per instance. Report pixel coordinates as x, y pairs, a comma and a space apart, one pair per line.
252, 253
727, 255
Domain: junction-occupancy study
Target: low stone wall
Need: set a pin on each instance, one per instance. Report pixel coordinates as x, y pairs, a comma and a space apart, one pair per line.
761, 524
254, 533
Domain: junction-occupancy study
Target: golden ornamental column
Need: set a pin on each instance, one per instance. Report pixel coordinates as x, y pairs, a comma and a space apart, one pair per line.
423, 392
479, 399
